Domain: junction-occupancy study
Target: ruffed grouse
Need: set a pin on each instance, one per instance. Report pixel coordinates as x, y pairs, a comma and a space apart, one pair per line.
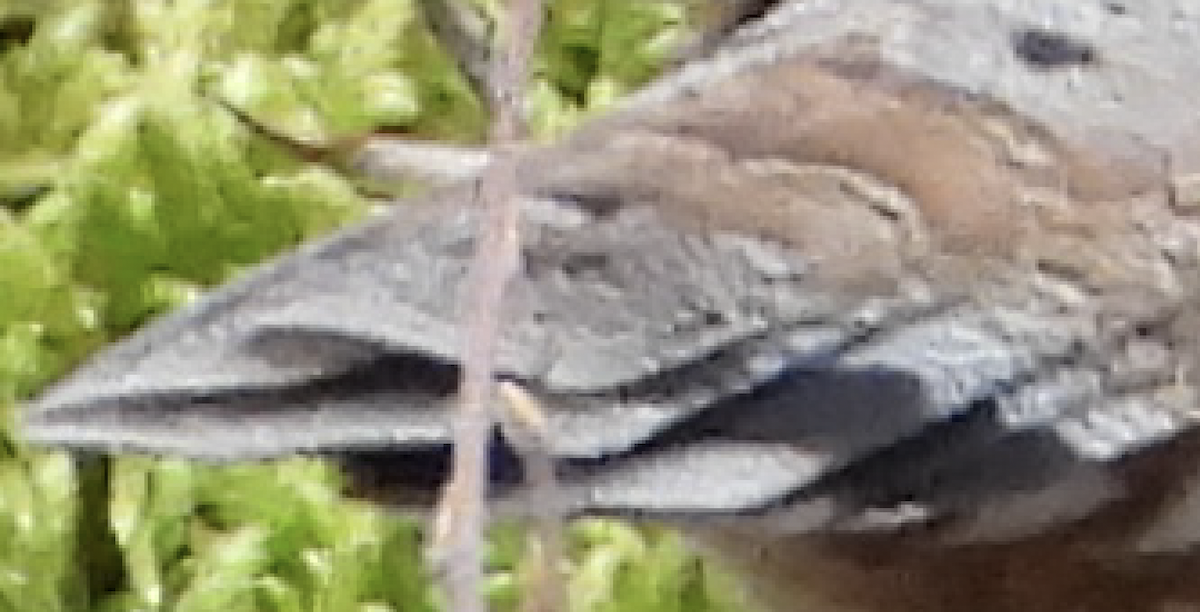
894, 302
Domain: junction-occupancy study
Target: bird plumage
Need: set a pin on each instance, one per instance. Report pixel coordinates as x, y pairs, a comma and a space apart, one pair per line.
914, 282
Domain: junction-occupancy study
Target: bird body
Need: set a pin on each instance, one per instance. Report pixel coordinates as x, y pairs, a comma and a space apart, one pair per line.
915, 281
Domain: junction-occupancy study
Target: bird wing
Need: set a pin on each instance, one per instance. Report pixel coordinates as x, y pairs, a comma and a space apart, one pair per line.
875, 264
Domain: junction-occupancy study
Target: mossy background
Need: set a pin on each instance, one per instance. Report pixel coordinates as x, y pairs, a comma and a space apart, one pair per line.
126, 188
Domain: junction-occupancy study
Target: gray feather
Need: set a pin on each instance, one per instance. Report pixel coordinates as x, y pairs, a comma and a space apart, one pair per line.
875, 265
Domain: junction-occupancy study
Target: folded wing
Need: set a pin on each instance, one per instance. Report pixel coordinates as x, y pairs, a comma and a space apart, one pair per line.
875, 265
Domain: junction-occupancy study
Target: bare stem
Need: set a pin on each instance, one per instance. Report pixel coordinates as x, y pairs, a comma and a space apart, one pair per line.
461, 517
526, 427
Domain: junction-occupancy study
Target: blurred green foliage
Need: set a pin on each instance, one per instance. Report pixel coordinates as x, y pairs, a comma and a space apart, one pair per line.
126, 188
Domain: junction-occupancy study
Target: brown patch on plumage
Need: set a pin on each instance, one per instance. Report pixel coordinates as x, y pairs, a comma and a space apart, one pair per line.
746, 156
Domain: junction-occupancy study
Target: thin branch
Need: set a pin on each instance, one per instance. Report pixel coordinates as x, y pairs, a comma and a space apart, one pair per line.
464, 34
404, 159
376, 157
461, 515
525, 426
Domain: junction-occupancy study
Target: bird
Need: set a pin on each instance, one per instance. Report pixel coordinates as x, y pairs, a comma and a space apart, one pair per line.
889, 305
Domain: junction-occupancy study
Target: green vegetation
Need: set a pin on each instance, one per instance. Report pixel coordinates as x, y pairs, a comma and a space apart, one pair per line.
126, 188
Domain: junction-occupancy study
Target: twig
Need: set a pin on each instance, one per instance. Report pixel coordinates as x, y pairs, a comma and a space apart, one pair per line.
464, 35
398, 158
460, 518
377, 158
524, 425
